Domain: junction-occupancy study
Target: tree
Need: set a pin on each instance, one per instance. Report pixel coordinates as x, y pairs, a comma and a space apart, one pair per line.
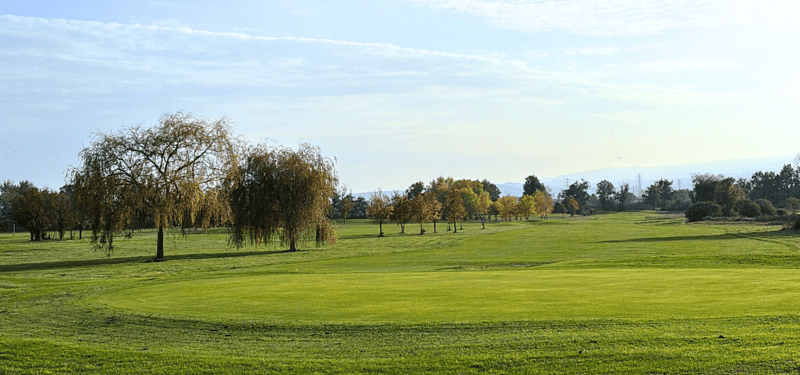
455, 207
578, 191
605, 193
347, 203
652, 196
492, 189
9, 191
543, 204
571, 205
506, 207
704, 185
156, 168
34, 209
424, 209
792, 204
527, 205
532, 185
379, 209
623, 196
285, 193
401, 210
726, 194
415, 189
484, 201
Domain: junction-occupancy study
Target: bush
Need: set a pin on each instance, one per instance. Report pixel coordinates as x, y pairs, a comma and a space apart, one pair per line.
698, 211
748, 208
780, 212
766, 207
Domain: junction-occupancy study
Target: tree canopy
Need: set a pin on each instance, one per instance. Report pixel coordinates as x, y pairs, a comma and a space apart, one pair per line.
158, 169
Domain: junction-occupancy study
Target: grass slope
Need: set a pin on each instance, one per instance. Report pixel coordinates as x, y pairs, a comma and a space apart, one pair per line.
633, 292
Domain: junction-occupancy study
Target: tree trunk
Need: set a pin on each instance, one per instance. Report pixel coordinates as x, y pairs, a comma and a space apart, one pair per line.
292, 246
160, 244
434, 226
455, 228
380, 225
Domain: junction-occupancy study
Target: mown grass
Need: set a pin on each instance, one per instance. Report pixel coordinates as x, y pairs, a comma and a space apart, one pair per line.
619, 293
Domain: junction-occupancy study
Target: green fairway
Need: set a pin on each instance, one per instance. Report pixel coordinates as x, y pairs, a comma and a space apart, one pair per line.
616, 293
475, 296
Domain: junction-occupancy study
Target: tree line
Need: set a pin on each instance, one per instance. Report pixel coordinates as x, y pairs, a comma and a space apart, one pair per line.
190, 172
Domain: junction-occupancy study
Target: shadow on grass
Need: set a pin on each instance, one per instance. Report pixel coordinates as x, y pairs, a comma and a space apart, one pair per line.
711, 237
139, 259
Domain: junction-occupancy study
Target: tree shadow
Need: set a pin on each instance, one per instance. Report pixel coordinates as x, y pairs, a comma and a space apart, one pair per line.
137, 259
710, 237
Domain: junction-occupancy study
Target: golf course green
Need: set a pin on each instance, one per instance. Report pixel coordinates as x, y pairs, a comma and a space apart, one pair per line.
639, 292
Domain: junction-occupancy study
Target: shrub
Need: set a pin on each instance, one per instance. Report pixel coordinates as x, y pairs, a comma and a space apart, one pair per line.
698, 211
748, 208
780, 212
766, 207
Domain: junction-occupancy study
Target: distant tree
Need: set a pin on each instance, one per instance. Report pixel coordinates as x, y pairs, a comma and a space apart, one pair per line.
35, 210
652, 196
470, 199
704, 186
605, 193
284, 193
359, 208
379, 209
415, 189
484, 202
506, 207
527, 205
572, 205
698, 211
578, 191
155, 167
347, 202
726, 194
440, 187
9, 191
532, 185
543, 203
492, 189
747, 208
493, 211
401, 210
456, 211
425, 208
767, 208
623, 196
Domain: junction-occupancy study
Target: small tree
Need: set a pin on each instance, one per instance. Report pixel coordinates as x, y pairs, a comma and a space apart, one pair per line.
346, 204
401, 210
424, 209
379, 209
572, 206
792, 204
506, 206
527, 205
623, 196
455, 208
35, 210
484, 202
543, 204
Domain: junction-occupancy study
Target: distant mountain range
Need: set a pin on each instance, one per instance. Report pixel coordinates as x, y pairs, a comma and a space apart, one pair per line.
680, 175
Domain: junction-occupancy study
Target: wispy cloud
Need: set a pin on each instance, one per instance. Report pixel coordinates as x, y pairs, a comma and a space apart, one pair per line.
623, 18
695, 64
591, 51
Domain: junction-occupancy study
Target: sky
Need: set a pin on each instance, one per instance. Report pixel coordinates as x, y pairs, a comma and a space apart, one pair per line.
400, 91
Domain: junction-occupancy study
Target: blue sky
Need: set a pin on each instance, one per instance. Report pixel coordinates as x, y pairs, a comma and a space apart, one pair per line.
401, 91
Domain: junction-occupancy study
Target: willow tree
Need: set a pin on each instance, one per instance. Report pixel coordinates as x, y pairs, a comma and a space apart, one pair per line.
282, 193
158, 169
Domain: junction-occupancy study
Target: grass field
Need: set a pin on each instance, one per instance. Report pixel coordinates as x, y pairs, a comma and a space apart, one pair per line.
616, 293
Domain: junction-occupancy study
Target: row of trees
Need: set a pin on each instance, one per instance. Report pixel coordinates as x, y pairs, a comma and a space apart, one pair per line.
454, 201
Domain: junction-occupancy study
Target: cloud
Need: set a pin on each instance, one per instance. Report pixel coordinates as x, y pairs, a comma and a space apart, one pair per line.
625, 17
695, 64
591, 51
